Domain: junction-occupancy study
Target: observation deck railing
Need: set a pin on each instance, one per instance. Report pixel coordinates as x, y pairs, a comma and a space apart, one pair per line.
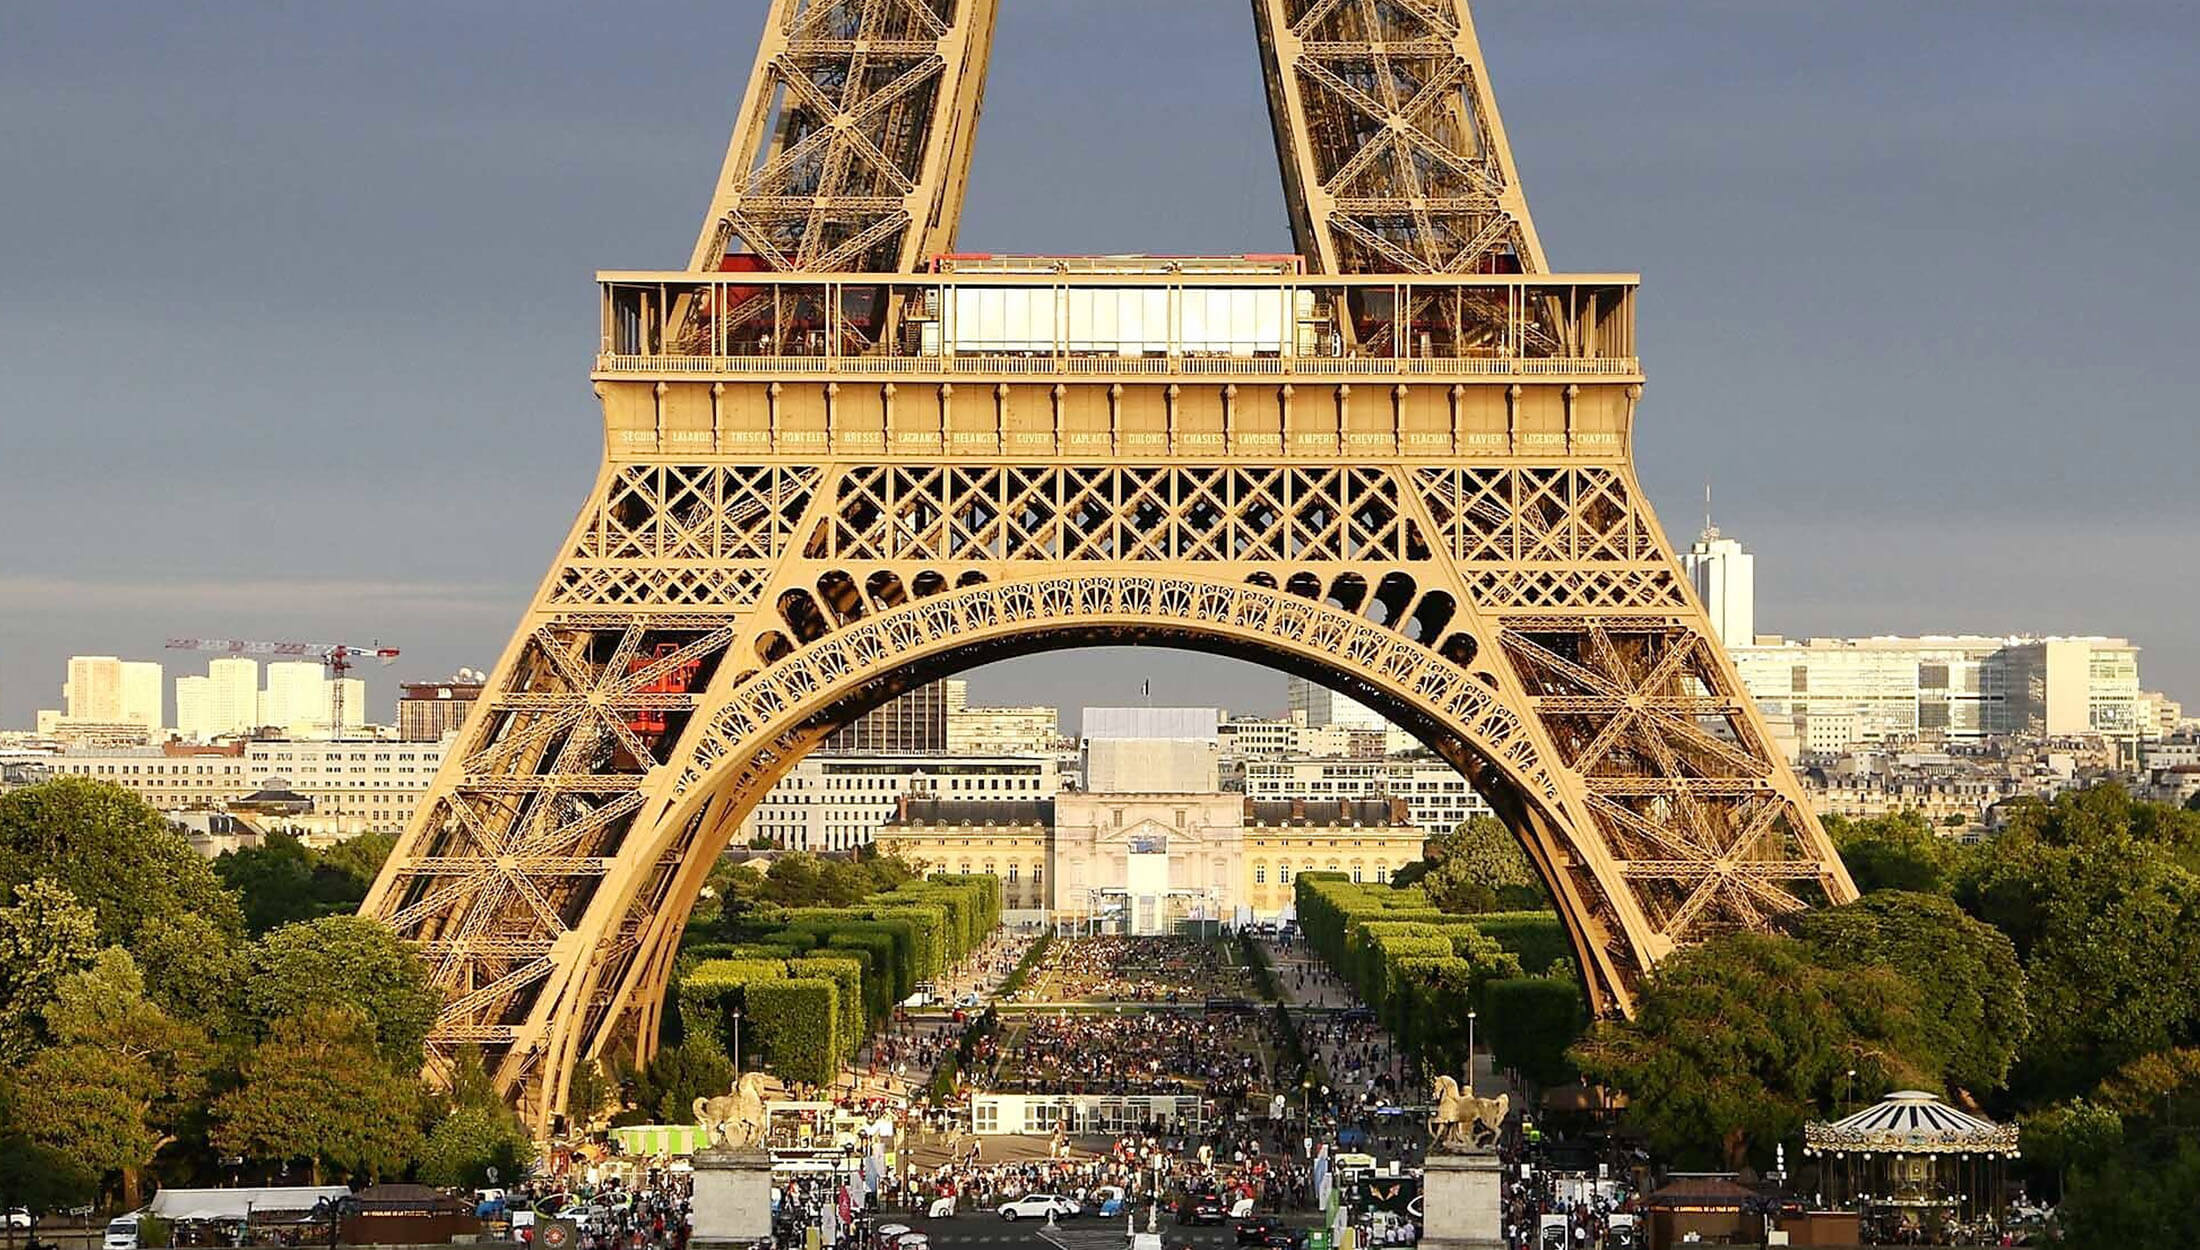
1071, 325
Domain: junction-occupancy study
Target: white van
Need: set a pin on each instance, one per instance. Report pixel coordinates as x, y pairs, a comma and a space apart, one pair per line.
122, 1234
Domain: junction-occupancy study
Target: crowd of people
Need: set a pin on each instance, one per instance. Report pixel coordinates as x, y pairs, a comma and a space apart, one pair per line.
1134, 1169
1595, 1213
1174, 1052
1114, 969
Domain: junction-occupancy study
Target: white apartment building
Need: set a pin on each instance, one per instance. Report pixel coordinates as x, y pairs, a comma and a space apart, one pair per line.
1323, 706
105, 690
1437, 798
170, 780
225, 701
997, 730
1725, 578
1835, 694
830, 802
300, 701
376, 784
93, 691
1257, 738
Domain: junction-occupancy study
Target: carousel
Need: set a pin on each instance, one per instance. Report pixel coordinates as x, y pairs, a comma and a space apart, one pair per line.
1914, 1168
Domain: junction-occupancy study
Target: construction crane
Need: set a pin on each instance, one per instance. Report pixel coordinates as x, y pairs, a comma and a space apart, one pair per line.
337, 657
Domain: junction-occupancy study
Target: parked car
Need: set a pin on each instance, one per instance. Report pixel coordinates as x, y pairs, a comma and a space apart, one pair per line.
19, 1217
967, 1001
1201, 1209
1038, 1207
122, 1234
1255, 1231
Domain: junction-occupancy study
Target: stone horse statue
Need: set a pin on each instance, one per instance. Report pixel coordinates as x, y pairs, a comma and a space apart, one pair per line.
1460, 1121
734, 1120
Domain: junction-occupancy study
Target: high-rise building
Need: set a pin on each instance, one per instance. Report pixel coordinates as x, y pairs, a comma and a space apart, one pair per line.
1324, 707
235, 694
225, 702
293, 697
144, 693
93, 691
1726, 580
104, 690
194, 709
913, 722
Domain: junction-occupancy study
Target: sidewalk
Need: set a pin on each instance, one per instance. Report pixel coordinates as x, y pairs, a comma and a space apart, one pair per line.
1324, 989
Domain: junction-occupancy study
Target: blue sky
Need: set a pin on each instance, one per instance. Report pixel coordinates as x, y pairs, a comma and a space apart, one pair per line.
295, 303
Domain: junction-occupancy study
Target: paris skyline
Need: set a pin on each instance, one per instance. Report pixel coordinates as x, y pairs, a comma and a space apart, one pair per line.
264, 385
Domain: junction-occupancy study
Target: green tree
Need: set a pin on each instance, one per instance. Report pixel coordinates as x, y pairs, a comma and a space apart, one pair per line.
121, 1077
1478, 867
317, 1090
2068, 1135
118, 856
2092, 893
1530, 1023
193, 969
1897, 852
668, 1085
794, 880
45, 937
346, 961
2160, 1091
842, 882
38, 1177
1737, 1041
360, 857
283, 881
465, 1144
2127, 1202
1972, 1004
587, 1094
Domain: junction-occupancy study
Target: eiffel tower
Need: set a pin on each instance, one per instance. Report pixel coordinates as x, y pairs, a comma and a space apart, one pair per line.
842, 460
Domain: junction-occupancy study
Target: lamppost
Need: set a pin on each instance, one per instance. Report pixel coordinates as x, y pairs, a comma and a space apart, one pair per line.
736, 1018
1470, 1052
1306, 1113
1849, 1098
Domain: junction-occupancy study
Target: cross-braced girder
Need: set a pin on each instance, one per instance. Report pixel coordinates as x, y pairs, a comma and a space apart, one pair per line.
1394, 158
853, 140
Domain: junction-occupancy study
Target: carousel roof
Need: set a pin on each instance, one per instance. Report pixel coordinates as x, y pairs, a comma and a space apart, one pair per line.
1910, 1121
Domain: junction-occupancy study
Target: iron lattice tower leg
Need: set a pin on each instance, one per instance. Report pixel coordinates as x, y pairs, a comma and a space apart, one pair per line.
773, 547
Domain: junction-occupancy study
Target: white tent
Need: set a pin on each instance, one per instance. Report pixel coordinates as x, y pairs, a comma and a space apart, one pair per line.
233, 1205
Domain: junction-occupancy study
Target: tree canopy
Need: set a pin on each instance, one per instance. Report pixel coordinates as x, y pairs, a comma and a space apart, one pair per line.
317, 1090
1972, 992
45, 936
2093, 893
113, 852
121, 1077
1479, 867
1739, 1040
349, 962
283, 881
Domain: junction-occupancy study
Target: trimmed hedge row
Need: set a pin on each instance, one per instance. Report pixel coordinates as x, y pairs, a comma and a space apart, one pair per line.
1422, 969
813, 982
